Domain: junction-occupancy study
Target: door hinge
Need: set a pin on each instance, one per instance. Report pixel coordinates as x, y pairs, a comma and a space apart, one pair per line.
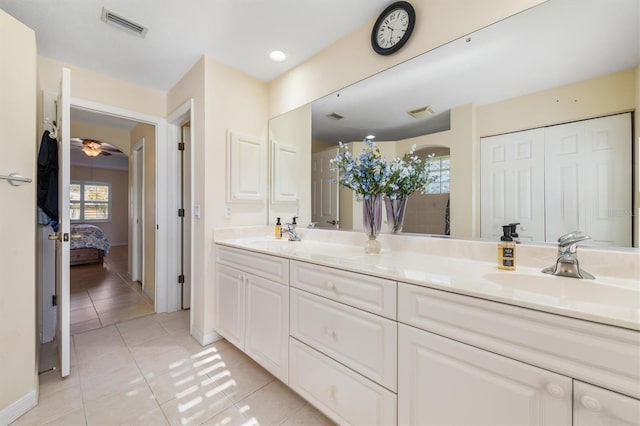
180, 212
54, 302
180, 279
180, 146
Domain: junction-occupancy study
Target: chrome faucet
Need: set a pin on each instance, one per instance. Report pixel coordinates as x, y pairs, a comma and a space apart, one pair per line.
291, 230
567, 262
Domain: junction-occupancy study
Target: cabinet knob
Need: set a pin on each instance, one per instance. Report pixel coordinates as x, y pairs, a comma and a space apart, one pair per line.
330, 331
555, 390
590, 403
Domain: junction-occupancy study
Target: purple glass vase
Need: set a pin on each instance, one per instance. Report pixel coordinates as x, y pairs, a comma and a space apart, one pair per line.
372, 220
395, 212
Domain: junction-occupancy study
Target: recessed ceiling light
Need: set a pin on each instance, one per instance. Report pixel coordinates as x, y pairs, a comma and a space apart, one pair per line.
277, 56
371, 137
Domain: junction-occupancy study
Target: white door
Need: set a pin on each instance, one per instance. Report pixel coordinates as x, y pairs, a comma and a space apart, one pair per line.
267, 331
444, 382
137, 240
324, 190
512, 184
185, 220
62, 242
588, 179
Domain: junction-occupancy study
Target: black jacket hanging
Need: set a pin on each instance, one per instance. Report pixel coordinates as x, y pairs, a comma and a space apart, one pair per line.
48, 176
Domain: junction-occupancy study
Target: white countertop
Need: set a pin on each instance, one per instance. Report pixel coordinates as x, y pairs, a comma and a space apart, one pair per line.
612, 301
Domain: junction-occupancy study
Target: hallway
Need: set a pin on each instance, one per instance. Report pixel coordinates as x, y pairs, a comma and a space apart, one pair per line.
102, 295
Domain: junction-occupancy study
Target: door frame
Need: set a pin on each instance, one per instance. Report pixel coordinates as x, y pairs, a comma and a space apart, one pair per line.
166, 201
137, 188
176, 119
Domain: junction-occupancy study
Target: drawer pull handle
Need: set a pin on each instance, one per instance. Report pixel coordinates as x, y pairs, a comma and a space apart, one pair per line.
555, 390
590, 403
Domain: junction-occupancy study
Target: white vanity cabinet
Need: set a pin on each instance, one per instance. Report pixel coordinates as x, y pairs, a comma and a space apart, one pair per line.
444, 382
343, 358
464, 360
594, 406
253, 311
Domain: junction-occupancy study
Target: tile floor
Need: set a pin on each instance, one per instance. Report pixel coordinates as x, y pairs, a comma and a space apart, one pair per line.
150, 371
102, 295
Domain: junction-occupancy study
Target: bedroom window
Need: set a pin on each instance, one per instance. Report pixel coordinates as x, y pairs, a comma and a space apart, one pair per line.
90, 201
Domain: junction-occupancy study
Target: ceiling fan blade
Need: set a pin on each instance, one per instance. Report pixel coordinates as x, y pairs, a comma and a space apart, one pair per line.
106, 153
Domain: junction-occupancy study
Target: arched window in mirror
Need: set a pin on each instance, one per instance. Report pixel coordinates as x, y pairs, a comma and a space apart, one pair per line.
429, 213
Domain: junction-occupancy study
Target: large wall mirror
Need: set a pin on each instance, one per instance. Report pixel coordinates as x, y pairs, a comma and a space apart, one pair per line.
552, 78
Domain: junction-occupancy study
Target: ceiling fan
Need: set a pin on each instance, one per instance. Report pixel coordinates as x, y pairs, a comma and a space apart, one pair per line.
92, 147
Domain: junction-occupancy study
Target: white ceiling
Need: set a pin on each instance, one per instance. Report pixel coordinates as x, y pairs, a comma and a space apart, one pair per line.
240, 33
553, 44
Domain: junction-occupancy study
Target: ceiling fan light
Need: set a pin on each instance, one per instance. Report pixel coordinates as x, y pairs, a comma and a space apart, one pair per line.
91, 152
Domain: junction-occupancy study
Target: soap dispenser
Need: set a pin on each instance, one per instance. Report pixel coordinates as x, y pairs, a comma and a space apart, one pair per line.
506, 250
278, 229
514, 232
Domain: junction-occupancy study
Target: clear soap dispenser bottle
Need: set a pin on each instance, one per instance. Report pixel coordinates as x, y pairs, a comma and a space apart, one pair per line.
506, 250
278, 229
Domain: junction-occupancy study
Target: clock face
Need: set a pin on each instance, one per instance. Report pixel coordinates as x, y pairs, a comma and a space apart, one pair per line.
393, 28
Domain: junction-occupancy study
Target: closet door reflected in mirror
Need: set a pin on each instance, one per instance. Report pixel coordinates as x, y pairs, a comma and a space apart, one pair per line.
558, 179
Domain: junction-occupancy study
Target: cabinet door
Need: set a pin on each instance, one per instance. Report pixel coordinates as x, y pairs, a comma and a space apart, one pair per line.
594, 406
267, 331
444, 382
230, 304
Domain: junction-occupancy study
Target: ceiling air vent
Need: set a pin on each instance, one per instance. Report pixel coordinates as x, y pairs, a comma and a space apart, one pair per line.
421, 112
111, 18
335, 116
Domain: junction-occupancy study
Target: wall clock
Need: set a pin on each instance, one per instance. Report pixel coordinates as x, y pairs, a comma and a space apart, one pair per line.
393, 28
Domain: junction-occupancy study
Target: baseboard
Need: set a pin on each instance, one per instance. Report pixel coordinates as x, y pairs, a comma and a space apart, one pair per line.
18, 408
205, 340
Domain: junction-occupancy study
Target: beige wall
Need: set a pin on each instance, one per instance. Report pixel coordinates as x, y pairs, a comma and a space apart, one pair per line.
148, 133
116, 229
93, 86
351, 58
465, 168
18, 369
224, 100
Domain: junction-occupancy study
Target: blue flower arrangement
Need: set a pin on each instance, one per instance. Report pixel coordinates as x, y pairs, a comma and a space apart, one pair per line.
408, 175
370, 174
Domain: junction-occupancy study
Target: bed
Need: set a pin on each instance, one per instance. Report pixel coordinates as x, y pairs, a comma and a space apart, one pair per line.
91, 247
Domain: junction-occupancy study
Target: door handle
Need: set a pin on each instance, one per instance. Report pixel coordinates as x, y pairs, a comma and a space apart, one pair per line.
76, 236
333, 222
56, 237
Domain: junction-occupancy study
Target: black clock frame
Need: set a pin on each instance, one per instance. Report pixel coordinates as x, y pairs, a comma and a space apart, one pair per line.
412, 21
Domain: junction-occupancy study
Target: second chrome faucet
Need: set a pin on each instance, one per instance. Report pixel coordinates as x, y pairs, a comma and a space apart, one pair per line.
567, 264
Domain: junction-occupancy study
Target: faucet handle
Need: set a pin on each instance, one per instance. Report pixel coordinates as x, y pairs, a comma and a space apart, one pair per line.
572, 238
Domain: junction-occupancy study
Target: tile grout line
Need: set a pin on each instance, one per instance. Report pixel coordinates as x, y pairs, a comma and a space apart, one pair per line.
155, 398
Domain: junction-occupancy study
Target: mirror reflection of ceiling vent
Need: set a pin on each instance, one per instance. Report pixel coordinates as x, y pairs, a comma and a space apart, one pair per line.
335, 116
421, 112
114, 19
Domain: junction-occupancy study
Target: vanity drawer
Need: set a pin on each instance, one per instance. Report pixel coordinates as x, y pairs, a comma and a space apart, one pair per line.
373, 294
271, 267
604, 355
344, 396
358, 339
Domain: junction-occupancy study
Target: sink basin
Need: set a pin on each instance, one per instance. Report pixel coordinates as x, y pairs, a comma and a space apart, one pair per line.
570, 290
